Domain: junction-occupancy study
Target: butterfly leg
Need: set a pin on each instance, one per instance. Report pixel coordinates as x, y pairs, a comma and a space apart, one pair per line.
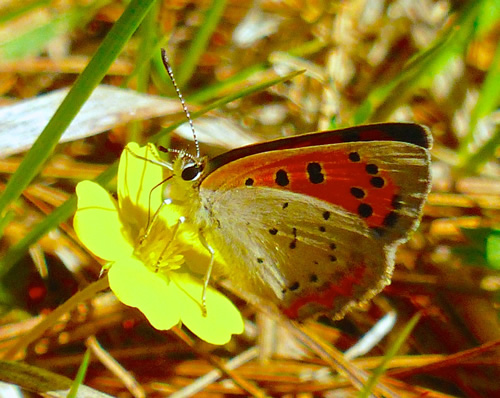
206, 278
165, 248
152, 220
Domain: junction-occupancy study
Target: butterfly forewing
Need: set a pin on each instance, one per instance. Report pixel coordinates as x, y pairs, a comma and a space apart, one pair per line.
384, 183
312, 223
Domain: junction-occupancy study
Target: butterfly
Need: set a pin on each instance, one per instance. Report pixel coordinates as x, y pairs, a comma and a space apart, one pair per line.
309, 223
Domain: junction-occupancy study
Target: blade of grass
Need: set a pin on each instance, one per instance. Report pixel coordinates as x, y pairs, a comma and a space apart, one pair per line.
111, 46
9, 216
393, 350
147, 33
214, 90
146, 58
488, 101
63, 212
80, 375
199, 43
226, 100
483, 155
50, 320
221, 87
42, 26
22, 9
489, 16
382, 101
44, 382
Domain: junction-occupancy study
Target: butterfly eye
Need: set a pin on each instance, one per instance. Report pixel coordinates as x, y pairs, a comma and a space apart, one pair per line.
191, 172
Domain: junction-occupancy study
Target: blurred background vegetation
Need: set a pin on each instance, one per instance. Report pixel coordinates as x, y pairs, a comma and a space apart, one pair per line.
431, 62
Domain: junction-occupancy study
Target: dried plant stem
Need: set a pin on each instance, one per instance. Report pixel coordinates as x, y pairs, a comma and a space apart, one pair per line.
86, 294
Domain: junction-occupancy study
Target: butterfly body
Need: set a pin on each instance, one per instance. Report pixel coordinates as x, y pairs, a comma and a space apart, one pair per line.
311, 223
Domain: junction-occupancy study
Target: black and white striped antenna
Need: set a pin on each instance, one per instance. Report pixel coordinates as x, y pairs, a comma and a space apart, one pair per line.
166, 63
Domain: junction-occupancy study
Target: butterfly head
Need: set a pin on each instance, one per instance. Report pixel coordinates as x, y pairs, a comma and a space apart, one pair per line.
186, 166
186, 175
191, 169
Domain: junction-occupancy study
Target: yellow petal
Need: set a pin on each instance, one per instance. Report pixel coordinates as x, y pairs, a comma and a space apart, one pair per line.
150, 292
137, 177
98, 224
222, 319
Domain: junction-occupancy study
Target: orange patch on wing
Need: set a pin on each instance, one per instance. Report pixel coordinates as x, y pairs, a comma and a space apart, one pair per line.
326, 296
340, 175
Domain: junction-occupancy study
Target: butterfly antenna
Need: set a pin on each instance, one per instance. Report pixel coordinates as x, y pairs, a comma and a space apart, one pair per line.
166, 63
178, 152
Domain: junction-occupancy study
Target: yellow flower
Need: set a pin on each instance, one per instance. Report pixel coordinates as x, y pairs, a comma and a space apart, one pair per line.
147, 270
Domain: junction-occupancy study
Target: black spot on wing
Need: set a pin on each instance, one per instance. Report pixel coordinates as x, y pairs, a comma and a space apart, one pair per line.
391, 219
358, 193
354, 157
293, 243
396, 202
314, 173
365, 210
371, 169
282, 178
377, 182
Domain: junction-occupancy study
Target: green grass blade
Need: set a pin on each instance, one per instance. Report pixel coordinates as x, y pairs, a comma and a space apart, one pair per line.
483, 155
489, 16
80, 375
488, 101
41, 381
31, 38
393, 350
226, 100
199, 43
22, 9
148, 39
216, 89
493, 249
382, 102
150, 58
83, 87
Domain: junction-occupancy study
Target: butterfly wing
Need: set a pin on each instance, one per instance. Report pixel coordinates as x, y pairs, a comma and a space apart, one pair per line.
274, 249
314, 229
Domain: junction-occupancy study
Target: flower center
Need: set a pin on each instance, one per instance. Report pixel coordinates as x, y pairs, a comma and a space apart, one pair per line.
159, 250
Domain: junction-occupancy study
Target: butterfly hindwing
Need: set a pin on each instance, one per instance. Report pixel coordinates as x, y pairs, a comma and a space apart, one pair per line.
279, 249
